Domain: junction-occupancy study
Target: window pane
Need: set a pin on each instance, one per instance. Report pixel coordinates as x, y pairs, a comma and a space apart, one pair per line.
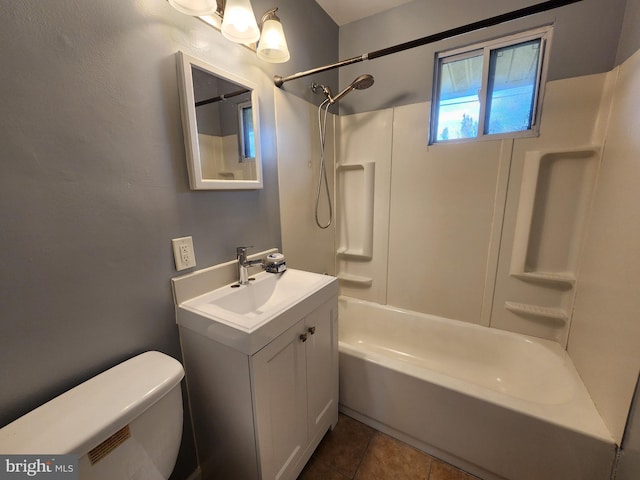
458, 103
513, 74
248, 139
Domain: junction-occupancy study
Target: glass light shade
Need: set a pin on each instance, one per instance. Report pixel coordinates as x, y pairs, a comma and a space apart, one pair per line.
239, 23
273, 45
194, 7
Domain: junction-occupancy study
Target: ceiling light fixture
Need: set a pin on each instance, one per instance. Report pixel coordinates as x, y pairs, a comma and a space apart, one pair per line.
237, 22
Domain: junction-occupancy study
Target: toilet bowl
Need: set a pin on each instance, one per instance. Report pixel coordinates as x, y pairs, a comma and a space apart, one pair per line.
125, 423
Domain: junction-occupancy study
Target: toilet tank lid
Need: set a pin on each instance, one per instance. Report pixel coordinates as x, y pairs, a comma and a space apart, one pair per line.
88, 414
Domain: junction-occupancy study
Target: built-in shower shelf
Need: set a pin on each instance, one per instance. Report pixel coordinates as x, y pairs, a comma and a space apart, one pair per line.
556, 314
355, 279
555, 280
353, 254
555, 194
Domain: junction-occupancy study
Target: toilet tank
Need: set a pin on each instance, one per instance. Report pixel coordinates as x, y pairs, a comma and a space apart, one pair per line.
124, 423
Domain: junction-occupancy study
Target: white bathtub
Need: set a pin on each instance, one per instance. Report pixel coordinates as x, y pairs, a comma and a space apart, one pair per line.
497, 404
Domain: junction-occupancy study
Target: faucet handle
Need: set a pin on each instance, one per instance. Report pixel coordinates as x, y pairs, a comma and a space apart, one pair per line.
240, 250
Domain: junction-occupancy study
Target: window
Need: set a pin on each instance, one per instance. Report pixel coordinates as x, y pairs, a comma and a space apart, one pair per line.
247, 136
490, 89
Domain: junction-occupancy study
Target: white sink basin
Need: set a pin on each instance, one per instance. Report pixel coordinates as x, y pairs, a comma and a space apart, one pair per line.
267, 294
247, 316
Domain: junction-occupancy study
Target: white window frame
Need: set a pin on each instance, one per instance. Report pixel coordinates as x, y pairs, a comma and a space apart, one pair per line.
543, 33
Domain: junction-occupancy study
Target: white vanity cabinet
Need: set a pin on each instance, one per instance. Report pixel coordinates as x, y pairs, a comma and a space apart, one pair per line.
295, 389
261, 407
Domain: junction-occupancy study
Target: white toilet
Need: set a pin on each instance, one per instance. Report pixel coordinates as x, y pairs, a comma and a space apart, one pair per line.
125, 423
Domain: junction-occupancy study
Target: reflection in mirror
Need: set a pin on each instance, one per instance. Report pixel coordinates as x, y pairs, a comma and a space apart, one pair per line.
219, 114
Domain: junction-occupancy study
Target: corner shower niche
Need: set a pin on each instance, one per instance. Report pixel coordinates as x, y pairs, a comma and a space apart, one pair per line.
356, 187
555, 195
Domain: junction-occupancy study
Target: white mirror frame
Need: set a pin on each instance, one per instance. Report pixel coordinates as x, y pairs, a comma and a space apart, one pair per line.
190, 126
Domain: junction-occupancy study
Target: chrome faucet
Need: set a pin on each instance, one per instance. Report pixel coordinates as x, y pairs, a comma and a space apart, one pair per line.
244, 264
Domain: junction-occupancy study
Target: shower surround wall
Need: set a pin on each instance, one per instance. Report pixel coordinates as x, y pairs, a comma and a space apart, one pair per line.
452, 218
363, 183
605, 332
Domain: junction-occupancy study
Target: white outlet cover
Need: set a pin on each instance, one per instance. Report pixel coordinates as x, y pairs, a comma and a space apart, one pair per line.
183, 253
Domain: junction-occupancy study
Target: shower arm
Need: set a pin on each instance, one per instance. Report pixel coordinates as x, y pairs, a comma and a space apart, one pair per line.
489, 22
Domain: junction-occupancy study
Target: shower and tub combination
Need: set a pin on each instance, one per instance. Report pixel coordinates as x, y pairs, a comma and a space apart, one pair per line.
497, 404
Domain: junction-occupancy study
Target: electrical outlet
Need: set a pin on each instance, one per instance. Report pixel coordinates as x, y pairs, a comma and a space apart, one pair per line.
183, 253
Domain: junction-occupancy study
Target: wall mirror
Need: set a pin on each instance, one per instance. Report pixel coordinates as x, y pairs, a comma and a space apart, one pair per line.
221, 127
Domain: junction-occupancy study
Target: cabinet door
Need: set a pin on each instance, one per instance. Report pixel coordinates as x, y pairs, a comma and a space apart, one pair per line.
279, 376
322, 368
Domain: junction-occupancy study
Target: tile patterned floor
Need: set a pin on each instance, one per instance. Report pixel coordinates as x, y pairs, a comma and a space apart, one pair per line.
354, 451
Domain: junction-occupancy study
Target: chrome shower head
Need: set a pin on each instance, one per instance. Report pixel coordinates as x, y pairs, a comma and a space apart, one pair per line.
360, 83
363, 81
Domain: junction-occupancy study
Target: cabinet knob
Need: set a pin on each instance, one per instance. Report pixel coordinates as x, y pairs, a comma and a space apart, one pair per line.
303, 337
311, 330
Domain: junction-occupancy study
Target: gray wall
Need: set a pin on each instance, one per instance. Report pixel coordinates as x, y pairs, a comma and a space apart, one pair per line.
585, 42
93, 182
320, 46
630, 35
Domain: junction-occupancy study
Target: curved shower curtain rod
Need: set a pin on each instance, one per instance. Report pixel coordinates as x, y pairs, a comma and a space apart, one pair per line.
489, 22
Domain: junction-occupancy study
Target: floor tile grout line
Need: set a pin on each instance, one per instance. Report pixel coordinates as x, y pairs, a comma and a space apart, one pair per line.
366, 450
